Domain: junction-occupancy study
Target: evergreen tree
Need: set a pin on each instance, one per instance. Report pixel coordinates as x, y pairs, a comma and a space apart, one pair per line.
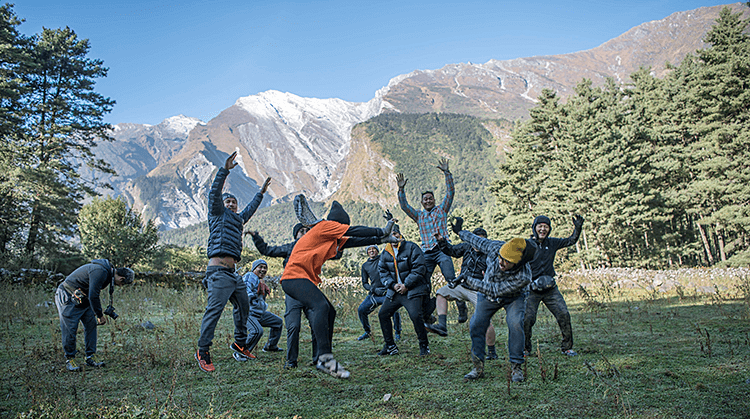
111, 230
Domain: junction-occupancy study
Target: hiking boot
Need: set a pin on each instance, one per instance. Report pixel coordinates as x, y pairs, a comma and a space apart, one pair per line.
91, 362
364, 336
437, 328
303, 211
327, 364
491, 354
477, 371
516, 373
72, 365
204, 361
289, 365
242, 351
424, 350
272, 349
430, 320
463, 312
570, 352
388, 350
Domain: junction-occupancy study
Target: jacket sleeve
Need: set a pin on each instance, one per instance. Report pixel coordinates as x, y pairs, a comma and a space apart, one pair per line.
569, 241
251, 207
486, 246
215, 204
418, 268
450, 192
386, 277
455, 251
365, 278
511, 283
264, 249
98, 279
408, 209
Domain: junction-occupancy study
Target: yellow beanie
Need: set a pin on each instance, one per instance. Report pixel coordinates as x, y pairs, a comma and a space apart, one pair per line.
513, 250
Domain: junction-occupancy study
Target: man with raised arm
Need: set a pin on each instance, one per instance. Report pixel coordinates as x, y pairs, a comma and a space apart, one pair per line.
225, 226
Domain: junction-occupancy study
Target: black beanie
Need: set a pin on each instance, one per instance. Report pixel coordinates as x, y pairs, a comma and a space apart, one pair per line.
337, 213
297, 227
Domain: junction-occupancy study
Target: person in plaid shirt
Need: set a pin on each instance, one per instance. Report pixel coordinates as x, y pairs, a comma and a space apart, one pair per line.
433, 219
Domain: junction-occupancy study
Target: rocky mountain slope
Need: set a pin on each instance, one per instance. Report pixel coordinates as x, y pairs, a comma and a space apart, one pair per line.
307, 145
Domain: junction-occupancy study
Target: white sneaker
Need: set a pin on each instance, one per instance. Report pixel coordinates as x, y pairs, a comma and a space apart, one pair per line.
331, 366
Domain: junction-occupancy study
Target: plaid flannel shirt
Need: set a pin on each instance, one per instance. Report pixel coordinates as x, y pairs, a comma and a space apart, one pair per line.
434, 221
496, 283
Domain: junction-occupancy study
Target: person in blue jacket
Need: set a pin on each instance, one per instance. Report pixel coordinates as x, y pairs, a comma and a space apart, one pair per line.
259, 317
225, 224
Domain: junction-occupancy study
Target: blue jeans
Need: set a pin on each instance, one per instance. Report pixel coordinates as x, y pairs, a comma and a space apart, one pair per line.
370, 303
434, 258
224, 285
555, 303
514, 313
70, 315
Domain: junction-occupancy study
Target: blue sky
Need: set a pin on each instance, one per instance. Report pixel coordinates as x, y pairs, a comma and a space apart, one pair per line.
196, 58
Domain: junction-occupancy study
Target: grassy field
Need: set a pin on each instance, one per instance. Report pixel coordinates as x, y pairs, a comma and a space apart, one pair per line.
652, 344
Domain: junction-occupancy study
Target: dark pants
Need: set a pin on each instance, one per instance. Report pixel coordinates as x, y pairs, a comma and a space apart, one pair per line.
433, 258
293, 321
413, 307
320, 311
555, 303
370, 303
70, 315
224, 285
255, 327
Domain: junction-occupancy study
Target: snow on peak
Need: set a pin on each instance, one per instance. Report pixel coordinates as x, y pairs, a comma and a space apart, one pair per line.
181, 124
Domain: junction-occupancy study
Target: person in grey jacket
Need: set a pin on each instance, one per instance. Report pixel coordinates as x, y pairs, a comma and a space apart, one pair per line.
503, 286
543, 287
78, 299
259, 316
294, 308
402, 271
376, 293
225, 224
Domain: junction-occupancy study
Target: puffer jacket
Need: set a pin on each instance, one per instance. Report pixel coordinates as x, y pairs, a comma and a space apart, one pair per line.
411, 269
257, 301
497, 283
371, 277
544, 261
224, 226
92, 278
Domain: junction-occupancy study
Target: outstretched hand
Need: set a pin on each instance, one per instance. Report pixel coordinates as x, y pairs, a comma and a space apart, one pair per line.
250, 232
443, 165
457, 225
578, 221
401, 180
265, 185
387, 215
230, 163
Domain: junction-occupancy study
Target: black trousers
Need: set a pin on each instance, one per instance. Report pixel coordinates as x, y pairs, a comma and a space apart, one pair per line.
413, 306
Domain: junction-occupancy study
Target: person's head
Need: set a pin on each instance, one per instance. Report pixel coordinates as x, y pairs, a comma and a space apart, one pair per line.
230, 202
397, 232
428, 200
338, 214
299, 230
124, 276
372, 251
510, 253
259, 268
541, 227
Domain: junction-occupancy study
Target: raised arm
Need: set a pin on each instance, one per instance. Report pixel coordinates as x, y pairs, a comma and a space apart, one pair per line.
408, 209
450, 190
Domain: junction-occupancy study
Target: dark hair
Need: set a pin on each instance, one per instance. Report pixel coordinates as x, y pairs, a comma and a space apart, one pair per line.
127, 275
428, 192
479, 231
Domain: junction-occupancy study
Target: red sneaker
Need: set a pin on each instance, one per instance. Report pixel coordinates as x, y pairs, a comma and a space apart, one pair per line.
204, 361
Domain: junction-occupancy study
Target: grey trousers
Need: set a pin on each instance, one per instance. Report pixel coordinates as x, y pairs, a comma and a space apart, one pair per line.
553, 299
224, 285
255, 327
70, 315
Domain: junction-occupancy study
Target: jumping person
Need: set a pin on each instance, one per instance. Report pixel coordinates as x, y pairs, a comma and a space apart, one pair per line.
301, 278
433, 219
225, 226
543, 287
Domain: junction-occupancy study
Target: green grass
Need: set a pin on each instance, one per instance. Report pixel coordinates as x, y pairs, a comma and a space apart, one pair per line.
677, 354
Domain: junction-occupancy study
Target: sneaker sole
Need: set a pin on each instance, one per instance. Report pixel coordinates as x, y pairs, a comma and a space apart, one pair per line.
338, 374
303, 211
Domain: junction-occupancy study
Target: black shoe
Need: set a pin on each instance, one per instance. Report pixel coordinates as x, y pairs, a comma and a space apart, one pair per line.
430, 320
91, 362
364, 336
424, 350
274, 349
437, 328
492, 355
463, 312
290, 365
388, 350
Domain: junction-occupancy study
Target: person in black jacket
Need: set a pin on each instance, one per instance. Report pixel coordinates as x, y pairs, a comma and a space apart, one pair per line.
78, 300
402, 271
376, 295
225, 224
543, 287
294, 308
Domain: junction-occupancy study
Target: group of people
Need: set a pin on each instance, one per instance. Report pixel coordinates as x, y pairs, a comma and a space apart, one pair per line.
516, 275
